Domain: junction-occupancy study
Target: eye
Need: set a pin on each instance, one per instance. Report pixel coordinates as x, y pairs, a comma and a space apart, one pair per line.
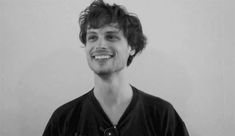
112, 37
92, 38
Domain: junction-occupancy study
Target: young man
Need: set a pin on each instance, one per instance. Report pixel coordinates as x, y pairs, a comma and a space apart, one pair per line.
112, 37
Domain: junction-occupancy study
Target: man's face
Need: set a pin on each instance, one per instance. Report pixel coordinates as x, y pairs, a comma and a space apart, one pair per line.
107, 50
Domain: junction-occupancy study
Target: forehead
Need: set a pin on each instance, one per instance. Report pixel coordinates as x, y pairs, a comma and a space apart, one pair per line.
111, 28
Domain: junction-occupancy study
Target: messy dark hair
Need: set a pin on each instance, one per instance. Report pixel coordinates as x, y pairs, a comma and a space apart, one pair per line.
99, 14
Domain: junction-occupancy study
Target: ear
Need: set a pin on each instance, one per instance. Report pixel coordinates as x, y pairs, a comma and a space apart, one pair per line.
132, 52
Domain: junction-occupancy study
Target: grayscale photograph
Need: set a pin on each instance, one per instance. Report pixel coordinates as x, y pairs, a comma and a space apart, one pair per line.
117, 68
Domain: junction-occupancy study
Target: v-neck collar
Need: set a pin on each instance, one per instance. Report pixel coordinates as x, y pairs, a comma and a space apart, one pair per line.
129, 108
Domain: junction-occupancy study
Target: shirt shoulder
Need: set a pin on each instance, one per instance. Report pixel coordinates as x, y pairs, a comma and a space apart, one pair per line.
65, 114
162, 112
72, 105
153, 102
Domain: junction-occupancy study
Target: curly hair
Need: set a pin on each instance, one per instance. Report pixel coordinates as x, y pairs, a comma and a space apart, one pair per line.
99, 14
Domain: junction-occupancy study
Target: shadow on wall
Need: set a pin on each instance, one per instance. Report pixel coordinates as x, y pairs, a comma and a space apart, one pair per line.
48, 83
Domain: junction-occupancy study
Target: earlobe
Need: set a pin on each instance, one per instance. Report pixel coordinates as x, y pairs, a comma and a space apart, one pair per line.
132, 52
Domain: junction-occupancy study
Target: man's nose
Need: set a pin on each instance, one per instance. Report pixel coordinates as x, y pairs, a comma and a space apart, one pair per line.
102, 43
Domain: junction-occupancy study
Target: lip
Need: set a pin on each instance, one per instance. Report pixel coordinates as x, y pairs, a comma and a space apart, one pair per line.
102, 53
100, 57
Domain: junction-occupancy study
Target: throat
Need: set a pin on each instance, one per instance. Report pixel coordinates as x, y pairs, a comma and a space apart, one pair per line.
113, 96
114, 102
115, 112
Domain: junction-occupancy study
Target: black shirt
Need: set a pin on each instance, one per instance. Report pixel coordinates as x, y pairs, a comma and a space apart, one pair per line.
146, 115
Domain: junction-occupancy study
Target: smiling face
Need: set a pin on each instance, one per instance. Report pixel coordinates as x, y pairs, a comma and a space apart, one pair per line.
107, 50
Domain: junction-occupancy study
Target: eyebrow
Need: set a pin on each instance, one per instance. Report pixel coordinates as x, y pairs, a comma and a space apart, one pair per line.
107, 32
91, 32
113, 32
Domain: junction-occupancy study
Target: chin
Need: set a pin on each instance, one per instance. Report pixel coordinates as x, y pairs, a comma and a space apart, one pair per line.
103, 74
103, 71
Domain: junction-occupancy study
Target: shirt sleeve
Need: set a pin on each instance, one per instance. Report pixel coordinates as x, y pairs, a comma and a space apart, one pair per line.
172, 124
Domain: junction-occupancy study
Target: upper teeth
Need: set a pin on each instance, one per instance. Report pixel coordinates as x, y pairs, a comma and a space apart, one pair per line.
102, 57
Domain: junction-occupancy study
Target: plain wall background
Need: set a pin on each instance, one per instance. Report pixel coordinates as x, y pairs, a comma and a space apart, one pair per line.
189, 61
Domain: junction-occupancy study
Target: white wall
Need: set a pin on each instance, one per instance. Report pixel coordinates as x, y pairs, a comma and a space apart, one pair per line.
189, 61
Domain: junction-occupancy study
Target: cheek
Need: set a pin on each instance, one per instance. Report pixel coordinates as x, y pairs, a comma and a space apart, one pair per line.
87, 49
124, 55
126, 52
87, 53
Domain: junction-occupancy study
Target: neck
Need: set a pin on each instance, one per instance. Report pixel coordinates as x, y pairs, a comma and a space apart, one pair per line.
113, 89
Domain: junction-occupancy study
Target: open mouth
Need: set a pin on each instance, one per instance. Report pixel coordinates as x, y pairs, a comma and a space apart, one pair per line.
102, 57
